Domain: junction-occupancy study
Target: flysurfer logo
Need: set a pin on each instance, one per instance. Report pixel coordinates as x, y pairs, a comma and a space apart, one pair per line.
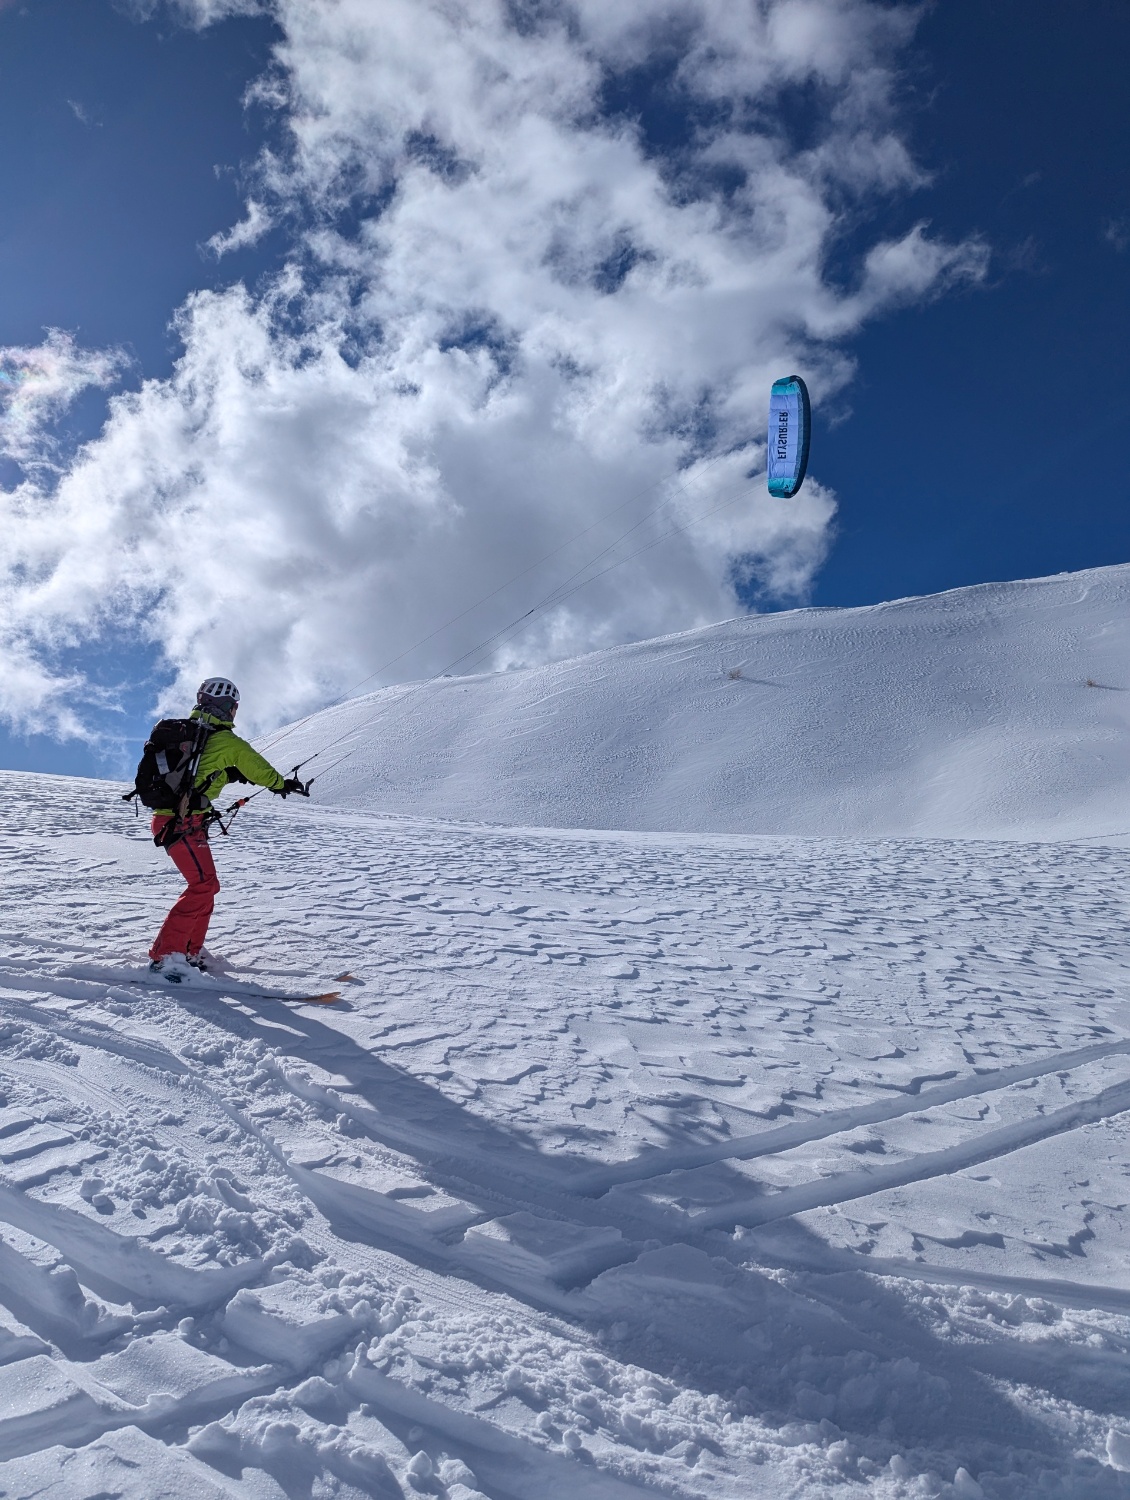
783, 433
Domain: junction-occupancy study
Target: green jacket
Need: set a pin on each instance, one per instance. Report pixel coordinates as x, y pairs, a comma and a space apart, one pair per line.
225, 750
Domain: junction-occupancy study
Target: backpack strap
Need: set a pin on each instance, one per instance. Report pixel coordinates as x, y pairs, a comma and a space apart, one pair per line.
188, 775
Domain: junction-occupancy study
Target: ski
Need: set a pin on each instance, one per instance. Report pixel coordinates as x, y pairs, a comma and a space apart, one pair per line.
228, 992
200, 983
231, 992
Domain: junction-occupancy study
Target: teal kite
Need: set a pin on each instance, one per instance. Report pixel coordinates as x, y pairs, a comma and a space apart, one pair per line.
790, 427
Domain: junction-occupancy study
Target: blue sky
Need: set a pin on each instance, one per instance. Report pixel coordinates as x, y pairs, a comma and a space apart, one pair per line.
978, 438
131, 139
986, 436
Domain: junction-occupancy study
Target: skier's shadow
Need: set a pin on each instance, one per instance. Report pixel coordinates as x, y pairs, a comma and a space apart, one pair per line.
804, 1352
401, 1111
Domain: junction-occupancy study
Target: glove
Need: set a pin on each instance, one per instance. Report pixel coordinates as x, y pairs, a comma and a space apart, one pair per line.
291, 784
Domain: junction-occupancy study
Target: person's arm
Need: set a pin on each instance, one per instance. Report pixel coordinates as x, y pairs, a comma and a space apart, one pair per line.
249, 763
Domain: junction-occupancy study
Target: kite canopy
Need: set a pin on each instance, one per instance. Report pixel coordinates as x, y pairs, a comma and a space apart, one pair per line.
790, 424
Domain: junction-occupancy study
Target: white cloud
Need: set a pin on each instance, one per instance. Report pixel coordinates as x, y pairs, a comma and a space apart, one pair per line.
1116, 232
506, 313
37, 384
250, 229
196, 12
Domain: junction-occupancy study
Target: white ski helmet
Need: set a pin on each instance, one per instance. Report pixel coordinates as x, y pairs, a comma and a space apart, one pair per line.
218, 694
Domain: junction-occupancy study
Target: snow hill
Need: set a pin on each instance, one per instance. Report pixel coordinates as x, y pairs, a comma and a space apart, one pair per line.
963, 714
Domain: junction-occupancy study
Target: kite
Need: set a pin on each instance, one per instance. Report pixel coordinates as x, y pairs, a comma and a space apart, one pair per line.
790, 425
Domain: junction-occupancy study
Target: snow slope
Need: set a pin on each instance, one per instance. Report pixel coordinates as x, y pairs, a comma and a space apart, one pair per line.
632, 1165
963, 714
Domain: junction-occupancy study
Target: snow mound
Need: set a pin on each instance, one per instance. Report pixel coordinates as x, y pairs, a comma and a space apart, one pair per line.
994, 711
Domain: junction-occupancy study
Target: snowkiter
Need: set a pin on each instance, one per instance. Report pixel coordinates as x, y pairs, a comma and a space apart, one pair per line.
183, 831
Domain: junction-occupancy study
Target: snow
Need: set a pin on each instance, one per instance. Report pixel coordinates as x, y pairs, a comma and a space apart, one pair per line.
961, 715
640, 1162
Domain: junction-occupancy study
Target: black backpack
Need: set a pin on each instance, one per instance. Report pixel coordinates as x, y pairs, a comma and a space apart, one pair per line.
167, 768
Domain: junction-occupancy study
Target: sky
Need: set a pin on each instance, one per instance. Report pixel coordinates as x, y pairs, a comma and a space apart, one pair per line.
1002, 413
321, 322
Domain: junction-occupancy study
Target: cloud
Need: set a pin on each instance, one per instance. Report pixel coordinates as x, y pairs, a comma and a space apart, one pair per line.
199, 13
912, 269
37, 384
509, 315
250, 229
1116, 232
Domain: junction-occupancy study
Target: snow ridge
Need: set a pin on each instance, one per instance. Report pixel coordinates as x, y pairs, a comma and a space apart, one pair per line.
998, 711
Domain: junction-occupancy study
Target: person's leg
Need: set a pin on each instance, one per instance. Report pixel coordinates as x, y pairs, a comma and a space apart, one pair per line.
208, 886
186, 926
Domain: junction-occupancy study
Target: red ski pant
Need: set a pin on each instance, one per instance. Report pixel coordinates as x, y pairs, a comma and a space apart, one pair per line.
186, 926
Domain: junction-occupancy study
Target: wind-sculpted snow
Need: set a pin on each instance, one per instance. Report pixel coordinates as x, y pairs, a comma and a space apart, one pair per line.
995, 711
630, 1164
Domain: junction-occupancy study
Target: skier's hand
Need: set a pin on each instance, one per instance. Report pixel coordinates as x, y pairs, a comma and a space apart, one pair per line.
292, 784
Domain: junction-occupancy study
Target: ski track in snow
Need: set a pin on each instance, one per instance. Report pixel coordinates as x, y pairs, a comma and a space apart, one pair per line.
631, 1164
